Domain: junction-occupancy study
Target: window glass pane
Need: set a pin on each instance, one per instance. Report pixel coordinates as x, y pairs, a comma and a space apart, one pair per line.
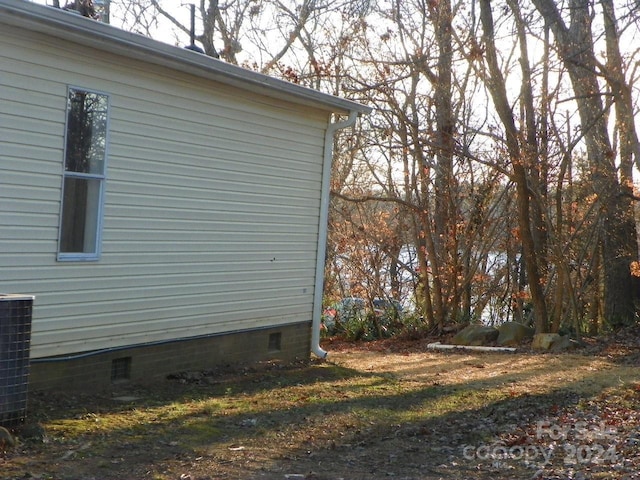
86, 132
80, 207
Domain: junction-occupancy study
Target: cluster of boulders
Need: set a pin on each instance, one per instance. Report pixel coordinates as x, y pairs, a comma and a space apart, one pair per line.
511, 334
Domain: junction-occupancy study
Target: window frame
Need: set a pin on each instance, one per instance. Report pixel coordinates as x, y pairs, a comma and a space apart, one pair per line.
101, 177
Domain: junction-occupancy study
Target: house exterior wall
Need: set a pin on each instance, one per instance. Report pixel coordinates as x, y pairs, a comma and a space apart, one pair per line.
211, 206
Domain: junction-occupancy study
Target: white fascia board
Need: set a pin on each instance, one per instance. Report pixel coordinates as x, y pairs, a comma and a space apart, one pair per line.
75, 28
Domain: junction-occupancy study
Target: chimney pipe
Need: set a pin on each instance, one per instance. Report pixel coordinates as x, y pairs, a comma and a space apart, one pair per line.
193, 25
192, 32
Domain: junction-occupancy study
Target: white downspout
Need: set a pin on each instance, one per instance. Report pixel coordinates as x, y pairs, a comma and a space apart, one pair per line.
322, 231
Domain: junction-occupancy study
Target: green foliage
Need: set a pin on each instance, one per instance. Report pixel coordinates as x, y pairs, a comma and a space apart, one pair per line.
368, 326
358, 327
414, 327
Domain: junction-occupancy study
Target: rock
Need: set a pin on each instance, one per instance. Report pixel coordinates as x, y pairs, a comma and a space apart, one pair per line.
6, 439
544, 341
553, 342
513, 333
564, 344
476, 335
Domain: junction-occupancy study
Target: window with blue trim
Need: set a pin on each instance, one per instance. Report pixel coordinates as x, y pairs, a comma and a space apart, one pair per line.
84, 176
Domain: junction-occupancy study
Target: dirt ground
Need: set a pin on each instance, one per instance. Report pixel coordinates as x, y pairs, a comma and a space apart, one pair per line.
373, 411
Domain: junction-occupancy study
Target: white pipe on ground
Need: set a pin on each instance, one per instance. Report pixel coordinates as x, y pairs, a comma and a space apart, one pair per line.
473, 348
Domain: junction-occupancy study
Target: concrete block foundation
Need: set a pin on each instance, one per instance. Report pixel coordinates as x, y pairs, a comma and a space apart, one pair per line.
100, 370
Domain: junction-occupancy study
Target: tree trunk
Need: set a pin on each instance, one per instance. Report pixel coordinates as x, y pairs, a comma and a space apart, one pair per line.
618, 226
497, 88
445, 215
625, 126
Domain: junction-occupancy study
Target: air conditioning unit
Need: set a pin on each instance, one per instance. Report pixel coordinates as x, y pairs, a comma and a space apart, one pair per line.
15, 342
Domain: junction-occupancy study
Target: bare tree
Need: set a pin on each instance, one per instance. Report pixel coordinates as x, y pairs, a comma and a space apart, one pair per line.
620, 249
521, 159
467, 190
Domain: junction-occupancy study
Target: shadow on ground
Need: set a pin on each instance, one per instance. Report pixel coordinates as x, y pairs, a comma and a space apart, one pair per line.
329, 421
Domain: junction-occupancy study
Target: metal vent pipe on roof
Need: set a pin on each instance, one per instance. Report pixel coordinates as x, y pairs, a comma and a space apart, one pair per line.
192, 32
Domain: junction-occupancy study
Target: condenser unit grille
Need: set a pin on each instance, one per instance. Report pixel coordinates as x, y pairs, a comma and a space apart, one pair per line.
15, 341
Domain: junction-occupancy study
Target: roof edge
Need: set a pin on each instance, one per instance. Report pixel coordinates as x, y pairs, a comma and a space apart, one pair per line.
72, 27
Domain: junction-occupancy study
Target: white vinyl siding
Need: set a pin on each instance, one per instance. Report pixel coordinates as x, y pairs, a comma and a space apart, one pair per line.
211, 205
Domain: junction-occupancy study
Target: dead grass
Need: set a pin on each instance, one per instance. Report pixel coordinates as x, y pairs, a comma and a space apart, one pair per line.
373, 411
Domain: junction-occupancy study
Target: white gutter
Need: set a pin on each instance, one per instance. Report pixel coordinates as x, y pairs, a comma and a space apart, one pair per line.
323, 230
